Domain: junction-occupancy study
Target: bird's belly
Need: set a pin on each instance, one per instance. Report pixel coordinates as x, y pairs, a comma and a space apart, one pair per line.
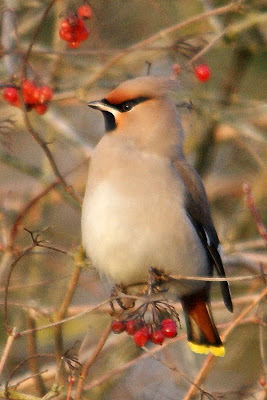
126, 233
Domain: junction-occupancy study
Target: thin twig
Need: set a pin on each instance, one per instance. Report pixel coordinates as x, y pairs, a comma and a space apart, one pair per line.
233, 29
254, 212
43, 282
13, 394
11, 268
210, 279
177, 371
46, 246
22, 364
79, 264
71, 382
75, 311
215, 21
93, 309
7, 348
28, 125
63, 321
232, 7
49, 156
25, 211
33, 362
36, 31
206, 48
126, 365
89, 362
120, 369
31, 377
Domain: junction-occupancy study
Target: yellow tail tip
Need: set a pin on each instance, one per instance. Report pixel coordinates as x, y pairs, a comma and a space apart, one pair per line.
205, 349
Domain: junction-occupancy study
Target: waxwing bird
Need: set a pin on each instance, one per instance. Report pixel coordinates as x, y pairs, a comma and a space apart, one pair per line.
145, 206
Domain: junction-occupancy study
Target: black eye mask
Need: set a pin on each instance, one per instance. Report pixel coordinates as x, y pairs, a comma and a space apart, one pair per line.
127, 105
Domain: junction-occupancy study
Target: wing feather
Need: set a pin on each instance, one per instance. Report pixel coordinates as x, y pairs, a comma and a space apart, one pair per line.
199, 213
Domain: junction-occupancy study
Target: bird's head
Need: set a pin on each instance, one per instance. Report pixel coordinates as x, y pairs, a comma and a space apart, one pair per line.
140, 110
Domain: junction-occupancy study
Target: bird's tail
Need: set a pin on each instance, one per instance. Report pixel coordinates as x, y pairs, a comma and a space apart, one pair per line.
202, 333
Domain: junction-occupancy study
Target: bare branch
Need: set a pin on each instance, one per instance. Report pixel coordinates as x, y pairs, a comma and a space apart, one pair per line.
63, 308
9, 343
210, 279
254, 212
32, 361
11, 268
89, 362
36, 136
232, 7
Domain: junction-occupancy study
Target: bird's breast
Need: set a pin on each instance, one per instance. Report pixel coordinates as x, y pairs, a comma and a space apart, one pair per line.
134, 218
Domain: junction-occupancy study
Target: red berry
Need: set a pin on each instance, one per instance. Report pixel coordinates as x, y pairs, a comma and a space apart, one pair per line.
80, 34
10, 94
65, 25
85, 11
202, 72
30, 92
140, 337
117, 326
45, 94
130, 327
40, 108
79, 23
157, 337
65, 35
169, 330
73, 31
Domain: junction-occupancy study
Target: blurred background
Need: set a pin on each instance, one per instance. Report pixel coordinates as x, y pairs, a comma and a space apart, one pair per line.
225, 123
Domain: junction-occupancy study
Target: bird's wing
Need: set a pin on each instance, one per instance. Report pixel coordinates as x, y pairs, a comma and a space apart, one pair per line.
198, 211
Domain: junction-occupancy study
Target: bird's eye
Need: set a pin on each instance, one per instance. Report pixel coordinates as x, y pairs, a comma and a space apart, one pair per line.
127, 106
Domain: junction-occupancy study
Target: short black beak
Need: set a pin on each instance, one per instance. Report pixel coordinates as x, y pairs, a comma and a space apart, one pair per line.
108, 113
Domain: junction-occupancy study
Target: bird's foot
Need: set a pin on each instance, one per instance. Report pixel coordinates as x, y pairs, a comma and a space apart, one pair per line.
123, 303
156, 279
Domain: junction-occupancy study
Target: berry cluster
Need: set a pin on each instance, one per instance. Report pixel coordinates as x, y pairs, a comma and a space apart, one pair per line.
35, 97
202, 72
73, 29
142, 332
